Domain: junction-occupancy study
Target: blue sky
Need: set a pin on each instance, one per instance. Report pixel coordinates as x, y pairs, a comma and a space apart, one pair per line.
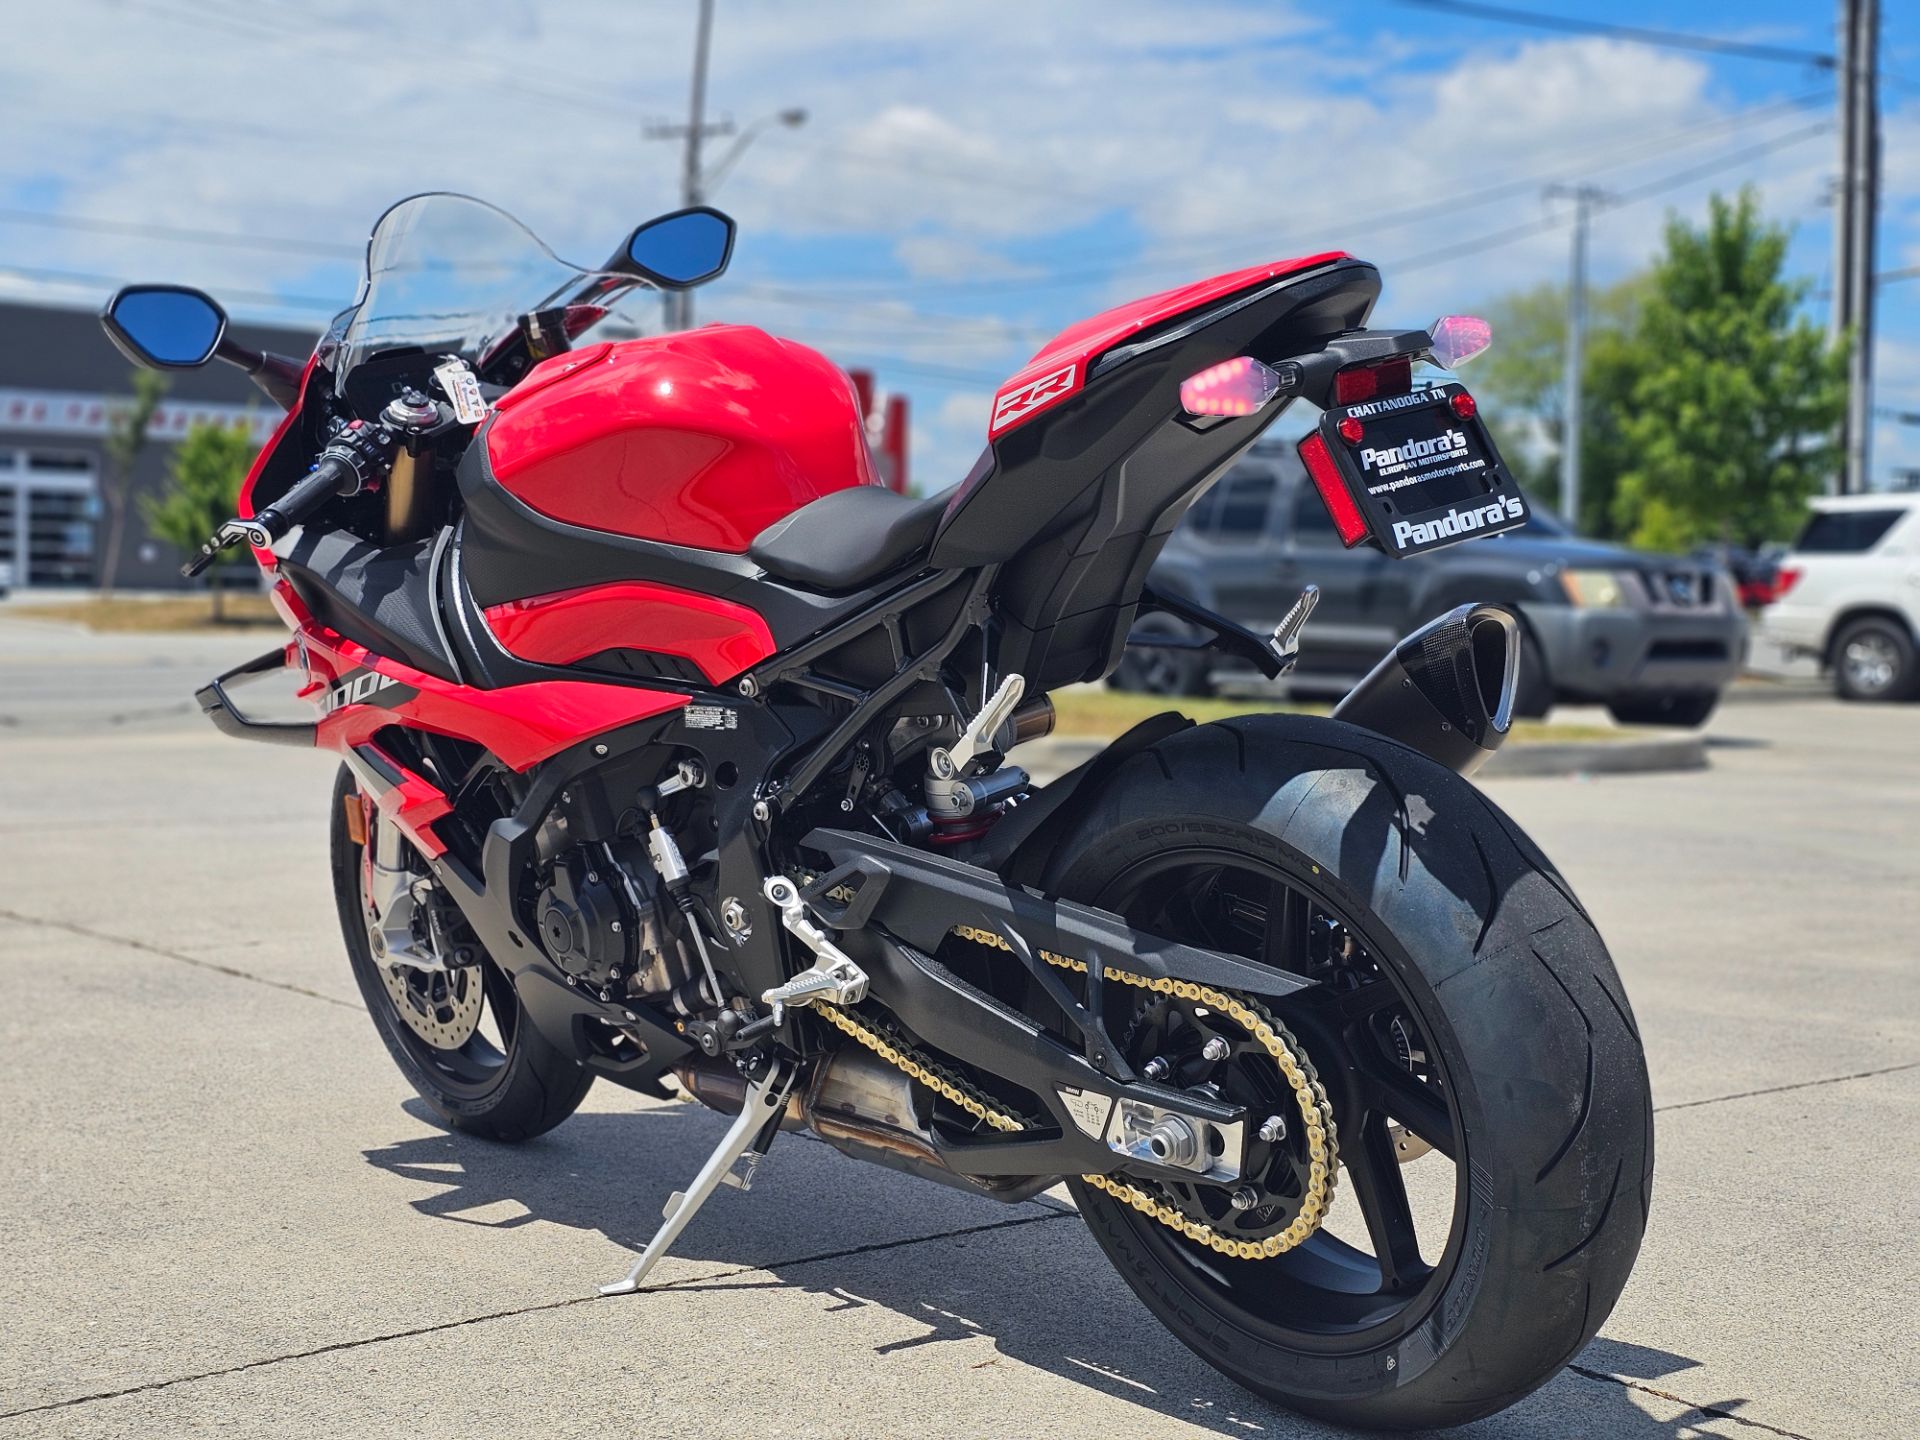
972, 177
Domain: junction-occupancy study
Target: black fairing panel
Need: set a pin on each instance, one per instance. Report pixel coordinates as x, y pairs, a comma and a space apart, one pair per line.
510, 551
381, 597
1077, 502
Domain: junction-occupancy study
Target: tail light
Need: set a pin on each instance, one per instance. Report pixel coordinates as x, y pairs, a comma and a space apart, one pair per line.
1788, 577
1369, 382
1348, 522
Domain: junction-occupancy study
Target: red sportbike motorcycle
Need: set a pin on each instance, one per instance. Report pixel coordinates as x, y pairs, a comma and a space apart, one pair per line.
675, 745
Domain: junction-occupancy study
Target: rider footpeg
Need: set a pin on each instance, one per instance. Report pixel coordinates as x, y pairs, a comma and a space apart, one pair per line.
833, 978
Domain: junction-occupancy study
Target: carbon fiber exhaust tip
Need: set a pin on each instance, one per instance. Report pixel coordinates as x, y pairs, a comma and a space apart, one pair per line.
1447, 689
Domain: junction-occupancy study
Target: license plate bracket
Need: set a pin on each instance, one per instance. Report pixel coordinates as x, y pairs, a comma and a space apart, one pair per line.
1421, 473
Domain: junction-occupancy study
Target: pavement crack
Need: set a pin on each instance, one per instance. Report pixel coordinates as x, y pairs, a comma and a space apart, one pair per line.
1782, 1089
364, 1341
1712, 1412
141, 945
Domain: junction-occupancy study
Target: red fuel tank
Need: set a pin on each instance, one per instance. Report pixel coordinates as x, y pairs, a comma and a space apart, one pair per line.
700, 438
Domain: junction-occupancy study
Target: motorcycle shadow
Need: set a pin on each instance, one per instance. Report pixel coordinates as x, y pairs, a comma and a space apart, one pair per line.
1022, 1285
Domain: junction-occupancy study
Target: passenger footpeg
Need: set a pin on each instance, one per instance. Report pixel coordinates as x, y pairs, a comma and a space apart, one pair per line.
1285, 641
752, 1130
833, 978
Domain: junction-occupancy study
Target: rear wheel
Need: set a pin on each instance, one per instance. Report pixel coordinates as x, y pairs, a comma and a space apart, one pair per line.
1873, 659
1466, 1022
458, 1033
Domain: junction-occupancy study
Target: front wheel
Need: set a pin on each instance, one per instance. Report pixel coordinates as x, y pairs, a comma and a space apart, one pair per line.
1480, 1063
457, 1034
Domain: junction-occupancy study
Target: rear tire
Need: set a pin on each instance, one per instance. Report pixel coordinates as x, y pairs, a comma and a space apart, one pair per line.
514, 1091
1688, 709
1511, 985
1873, 659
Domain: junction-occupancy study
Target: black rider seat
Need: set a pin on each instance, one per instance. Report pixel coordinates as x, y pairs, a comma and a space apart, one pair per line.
848, 538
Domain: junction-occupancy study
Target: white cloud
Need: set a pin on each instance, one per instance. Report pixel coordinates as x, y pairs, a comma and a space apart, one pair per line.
1139, 144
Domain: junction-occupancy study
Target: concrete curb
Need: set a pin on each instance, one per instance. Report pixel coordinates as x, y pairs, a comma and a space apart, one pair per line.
1053, 757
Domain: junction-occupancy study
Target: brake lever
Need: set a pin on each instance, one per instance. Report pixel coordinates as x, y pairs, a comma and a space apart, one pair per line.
234, 532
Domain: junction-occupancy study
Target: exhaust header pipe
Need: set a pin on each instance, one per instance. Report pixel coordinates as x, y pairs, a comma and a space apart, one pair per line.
1447, 689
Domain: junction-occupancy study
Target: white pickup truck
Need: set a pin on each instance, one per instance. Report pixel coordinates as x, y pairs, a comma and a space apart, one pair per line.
1849, 595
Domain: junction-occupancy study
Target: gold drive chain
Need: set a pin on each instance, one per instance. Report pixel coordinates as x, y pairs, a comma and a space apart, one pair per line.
1309, 1094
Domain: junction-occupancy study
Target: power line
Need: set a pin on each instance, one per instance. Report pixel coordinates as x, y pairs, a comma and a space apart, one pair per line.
1446, 202
113, 282
1668, 39
150, 231
1451, 204
1619, 197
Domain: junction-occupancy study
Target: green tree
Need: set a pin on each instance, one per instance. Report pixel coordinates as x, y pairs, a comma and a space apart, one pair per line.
202, 490
1523, 376
1735, 409
126, 439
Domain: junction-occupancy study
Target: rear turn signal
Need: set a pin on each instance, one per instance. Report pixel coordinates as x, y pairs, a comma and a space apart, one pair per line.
1238, 386
1788, 577
1348, 522
1457, 339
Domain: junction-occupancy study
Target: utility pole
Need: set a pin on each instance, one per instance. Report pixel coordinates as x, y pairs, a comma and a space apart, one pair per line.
678, 305
695, 179
1863, 61
1585, 198
1842, 289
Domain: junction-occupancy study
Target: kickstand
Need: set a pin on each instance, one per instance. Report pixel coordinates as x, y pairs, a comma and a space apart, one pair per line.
766, 1097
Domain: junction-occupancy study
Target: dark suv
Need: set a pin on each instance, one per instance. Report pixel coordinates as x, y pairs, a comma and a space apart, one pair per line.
1655, 639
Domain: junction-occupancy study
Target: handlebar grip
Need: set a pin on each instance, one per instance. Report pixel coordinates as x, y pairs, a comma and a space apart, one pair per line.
332, 476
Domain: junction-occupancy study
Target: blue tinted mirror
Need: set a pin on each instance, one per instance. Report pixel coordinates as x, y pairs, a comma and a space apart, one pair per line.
165, 325
684, 249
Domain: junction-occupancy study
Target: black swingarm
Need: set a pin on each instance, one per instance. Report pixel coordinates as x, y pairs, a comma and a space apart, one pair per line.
894, 907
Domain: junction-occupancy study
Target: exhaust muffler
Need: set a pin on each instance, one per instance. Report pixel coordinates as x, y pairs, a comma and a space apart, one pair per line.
1447, 689
866, 1108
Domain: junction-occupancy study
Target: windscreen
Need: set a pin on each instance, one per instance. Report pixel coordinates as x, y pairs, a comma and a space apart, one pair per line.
446, 273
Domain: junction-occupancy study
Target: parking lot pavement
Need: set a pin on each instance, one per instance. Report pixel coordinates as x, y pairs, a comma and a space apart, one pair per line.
223, 1211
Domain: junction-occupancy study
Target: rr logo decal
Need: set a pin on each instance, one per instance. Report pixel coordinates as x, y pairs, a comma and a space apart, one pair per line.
1016, 404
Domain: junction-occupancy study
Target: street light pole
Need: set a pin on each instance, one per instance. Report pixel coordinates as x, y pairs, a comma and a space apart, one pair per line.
1585, 198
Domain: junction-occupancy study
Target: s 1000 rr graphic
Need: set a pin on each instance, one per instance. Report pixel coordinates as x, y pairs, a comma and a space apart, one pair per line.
676, 753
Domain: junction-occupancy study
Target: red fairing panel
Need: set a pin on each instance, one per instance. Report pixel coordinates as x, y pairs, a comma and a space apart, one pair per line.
522, 724
702, 438
280, 433
412, 805
719, 636
1060, 368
